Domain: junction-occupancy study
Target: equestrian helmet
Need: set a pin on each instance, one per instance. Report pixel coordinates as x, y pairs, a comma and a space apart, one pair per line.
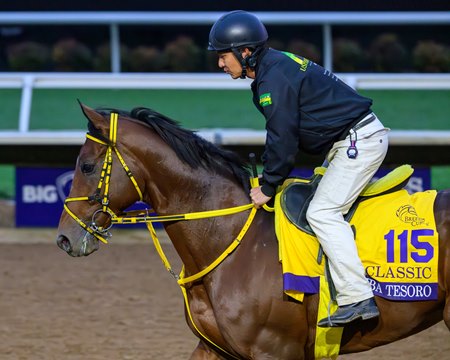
237, 29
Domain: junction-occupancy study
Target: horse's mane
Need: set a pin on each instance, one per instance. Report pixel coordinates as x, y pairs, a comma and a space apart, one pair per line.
189, 147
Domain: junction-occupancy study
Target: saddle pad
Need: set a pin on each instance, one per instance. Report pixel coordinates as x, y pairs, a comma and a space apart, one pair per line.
397, 242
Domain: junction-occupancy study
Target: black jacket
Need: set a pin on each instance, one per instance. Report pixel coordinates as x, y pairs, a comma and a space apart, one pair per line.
306, 108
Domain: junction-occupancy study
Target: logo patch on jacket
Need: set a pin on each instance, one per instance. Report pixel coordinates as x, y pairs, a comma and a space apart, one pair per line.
265, 99
303, 62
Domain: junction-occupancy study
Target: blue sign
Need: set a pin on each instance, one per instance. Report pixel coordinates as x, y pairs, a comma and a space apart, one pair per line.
40, 195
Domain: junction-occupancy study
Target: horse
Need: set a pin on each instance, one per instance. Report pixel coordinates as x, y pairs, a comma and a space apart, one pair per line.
238, 309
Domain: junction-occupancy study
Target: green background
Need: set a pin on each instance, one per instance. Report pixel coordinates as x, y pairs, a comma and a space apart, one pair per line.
58, 109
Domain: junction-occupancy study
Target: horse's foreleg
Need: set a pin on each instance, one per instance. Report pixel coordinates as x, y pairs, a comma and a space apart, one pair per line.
203, 352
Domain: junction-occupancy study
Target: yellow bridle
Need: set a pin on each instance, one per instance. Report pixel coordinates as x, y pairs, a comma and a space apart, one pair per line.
98, 231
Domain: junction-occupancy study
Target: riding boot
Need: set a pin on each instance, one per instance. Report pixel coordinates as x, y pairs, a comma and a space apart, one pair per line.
363, 310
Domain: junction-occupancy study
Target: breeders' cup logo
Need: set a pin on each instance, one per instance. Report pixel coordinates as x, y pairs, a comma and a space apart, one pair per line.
408, 214
63, 184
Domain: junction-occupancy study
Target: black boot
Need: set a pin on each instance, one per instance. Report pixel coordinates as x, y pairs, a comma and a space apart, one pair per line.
363, 310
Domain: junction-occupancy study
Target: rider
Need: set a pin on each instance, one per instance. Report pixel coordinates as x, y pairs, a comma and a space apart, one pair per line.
308, 108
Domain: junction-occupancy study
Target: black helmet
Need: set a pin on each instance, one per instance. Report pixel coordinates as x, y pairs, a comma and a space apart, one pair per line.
237, 29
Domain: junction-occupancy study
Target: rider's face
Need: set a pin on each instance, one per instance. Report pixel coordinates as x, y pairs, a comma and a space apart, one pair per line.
228, 62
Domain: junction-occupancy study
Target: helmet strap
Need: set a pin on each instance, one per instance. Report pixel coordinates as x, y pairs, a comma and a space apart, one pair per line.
242, 61
249, 61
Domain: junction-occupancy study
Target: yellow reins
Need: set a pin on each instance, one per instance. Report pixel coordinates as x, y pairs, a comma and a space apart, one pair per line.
142, 216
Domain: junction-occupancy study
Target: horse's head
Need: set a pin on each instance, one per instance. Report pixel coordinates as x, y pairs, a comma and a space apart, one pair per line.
104, 185
146, 156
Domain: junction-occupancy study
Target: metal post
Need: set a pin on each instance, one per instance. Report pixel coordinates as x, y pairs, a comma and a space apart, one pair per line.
115, 47
327, 47
25, 104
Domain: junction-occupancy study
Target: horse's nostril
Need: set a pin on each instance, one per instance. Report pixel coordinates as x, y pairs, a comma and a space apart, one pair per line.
64, 243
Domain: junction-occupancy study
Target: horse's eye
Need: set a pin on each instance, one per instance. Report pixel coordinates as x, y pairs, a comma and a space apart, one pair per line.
87, 168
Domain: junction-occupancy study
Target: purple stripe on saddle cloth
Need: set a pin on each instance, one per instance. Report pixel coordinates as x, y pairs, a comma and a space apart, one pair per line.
404, 291
304, 284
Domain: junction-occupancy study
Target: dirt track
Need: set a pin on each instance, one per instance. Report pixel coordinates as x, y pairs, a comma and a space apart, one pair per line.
118, 303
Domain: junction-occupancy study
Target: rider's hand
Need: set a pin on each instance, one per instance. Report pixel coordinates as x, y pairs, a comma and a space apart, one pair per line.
258, 197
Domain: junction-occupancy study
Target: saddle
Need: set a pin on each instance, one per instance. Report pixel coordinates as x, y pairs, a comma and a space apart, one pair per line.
298, 193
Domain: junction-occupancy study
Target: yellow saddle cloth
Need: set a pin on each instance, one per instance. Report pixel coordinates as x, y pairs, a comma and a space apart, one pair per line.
397, 242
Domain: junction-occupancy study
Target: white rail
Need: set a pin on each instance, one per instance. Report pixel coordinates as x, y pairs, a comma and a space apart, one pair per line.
203, 81
230, 137
208, 17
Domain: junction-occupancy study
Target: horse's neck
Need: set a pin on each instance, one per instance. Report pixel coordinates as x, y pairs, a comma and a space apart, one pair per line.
198, 242
183, 190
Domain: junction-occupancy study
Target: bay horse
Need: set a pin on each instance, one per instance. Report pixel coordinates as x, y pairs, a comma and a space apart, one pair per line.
239, 307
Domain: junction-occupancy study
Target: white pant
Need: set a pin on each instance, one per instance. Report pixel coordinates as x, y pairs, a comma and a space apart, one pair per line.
338, 189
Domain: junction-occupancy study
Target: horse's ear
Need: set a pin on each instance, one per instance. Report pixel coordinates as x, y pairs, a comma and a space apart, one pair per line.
93, 116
